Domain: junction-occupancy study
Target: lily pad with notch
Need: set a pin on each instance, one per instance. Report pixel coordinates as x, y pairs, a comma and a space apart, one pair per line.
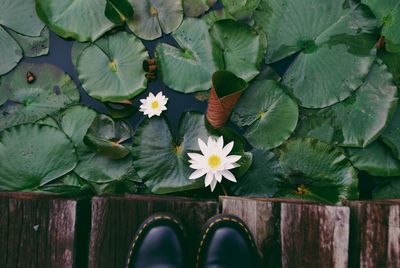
118, 11
334, 43
241, 9
161, 160
195, 8
33, 155
189, 68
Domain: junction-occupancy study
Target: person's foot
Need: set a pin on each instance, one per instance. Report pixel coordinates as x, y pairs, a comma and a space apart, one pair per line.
159, 243
227, 243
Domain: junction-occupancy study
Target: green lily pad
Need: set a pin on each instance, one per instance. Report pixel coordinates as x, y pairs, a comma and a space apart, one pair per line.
83, 20
51, 91
152, 18
317, 171
335, 44
120, 110
68, 185
30, 26
195, 8
189, 68
48, 121
392, 61
270, 114
33, 155
388, 14
241, 9
216, 15
105, 136
243, 48
361, 119
388, 190
76, 51
75, 122
160, 160
33, 46
118, 11
261, 180
111, 69
391, 135
376, 159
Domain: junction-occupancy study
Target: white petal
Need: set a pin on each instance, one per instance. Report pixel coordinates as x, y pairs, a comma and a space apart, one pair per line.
218, 176
197, 174
228, 175
151, 95
195, 156
143, 100
228, 148
211, 142
231, 165
159, 95
233, 158
203, 147
213, 184
220, 143
209, 179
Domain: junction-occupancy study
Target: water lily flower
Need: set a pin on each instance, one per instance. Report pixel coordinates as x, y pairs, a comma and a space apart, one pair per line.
214, 162
153, 105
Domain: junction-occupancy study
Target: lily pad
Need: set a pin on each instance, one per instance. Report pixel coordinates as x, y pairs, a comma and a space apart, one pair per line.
152, 18
315, 170
241, 9
195, 8
118, 11
392, 61
106, 137
111, 69
390, 189
242, 47
270, 115
261, 180
11, 49
33, 155
33, 46
189, 68
83, 20
388, 14
68, 185
361, 119
216, 15
391, 135
50, 92
334, 42
160, 160
376, 159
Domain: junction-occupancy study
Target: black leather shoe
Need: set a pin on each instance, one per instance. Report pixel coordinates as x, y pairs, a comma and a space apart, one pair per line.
159, 243
227, 243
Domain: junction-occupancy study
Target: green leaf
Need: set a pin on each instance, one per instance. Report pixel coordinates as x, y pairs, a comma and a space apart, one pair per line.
261, 180
50, 92
160, 160
33, 155
392, 61
388, 190
111, 69
152, 18
216, 15
75, 122
391, 135
388, 14
33, 46
118, 11
195, 8
270, 115
83, 20
120, 110
317, 171
48, 121
189, 68
366, 113
76, 51
335, 44
11, 53
376, 159
243, 48
241, 9
68, 185
105, 136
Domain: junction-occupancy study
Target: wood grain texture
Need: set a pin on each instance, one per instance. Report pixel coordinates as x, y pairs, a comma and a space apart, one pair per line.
115, 220
294, 233
375, 234
38, 230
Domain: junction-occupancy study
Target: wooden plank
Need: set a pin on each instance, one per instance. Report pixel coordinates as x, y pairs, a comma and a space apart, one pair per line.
374, 234
294, 233
115, 220
38, 230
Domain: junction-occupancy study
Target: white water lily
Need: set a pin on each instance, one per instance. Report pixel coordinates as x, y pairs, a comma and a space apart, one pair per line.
153, 105
214, 162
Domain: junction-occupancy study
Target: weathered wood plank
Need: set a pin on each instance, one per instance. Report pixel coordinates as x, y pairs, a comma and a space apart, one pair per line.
374, 234
38, 230
293, 233
115, 220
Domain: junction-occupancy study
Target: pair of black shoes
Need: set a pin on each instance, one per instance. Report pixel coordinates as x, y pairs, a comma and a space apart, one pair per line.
225, 242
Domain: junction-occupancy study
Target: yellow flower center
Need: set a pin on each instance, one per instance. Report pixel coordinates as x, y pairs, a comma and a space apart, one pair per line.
302, 190
214, 161
155, 105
